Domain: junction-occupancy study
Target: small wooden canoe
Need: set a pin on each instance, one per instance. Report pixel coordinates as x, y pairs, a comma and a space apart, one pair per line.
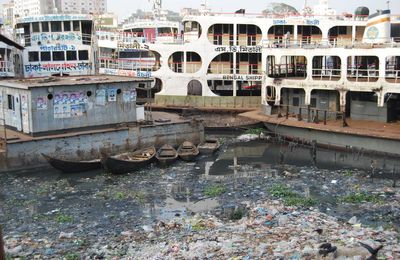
129, 162
209, 146
188, 151
166, 155
68, 166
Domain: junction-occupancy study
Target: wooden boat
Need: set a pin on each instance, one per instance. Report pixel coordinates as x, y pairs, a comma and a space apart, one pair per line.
209, 146
188, 151
129, 162
67, 166
166, 155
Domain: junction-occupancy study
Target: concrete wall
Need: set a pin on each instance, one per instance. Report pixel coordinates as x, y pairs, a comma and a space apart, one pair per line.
364, 110
95, 114
352, 142
325, 100
90, 146
207, 101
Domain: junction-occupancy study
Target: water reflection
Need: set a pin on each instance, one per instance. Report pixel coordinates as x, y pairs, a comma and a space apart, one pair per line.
260, 155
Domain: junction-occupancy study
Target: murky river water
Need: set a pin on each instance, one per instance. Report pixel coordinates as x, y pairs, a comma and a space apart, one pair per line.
46, 202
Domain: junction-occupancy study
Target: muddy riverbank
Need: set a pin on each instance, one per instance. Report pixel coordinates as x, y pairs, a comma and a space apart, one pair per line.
246, 189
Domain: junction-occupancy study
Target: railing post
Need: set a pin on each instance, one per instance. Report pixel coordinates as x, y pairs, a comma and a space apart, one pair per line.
2, 252
325, 114
287, 111
308, 114
299, 118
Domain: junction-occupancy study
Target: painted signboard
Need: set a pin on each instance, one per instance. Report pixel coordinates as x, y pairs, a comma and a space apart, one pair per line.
244, 49
54, 17
32, 69
125, 73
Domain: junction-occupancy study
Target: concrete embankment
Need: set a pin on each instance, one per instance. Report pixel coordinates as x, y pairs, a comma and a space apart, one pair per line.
87, 145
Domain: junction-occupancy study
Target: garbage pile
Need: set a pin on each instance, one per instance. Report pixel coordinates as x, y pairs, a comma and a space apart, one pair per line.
270, 231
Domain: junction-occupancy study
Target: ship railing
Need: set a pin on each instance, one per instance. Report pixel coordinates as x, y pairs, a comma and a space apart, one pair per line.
362, 75
176, 67
131, 37
326, 74
193, 66
310, 113
316, 42
6, 66
220, 68
393, 76
249, 68
345, 16
86, 39
289, 70
128, 64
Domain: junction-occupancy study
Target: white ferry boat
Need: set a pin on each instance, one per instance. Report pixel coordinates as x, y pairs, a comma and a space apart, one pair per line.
341, 64
10, 51
57, 44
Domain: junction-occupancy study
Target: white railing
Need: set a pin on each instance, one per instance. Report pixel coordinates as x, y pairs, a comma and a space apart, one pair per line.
356, 74
393, 75
128, 64
6, 67
322, 74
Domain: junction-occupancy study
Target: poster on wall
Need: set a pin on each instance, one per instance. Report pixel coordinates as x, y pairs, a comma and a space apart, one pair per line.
129, 95
133, 94
69, 104
25, 113
41, 103
101, 97
112, 95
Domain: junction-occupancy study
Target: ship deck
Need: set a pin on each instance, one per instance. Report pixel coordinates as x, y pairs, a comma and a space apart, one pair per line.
355, 127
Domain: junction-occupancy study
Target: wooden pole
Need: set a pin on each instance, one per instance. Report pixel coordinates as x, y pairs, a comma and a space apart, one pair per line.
2, 252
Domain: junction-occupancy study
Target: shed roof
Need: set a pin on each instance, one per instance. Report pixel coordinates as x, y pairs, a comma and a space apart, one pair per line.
68, 81
10, 42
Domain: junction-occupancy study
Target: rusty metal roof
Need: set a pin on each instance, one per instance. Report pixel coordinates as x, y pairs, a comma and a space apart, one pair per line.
10, 42
68, 81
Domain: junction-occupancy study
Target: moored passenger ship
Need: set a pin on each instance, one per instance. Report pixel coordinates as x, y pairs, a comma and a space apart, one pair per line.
337, 63
57, 44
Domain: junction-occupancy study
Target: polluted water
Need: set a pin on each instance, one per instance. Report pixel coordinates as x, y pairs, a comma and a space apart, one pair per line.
252, 199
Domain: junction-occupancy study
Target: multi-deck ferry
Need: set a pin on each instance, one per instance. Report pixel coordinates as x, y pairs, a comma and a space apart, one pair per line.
322, 60
59, 44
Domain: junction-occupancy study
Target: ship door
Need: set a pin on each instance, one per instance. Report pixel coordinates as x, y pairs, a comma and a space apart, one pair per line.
17, 115
150, 34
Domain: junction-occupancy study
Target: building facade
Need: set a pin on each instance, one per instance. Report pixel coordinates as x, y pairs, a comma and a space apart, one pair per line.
24, 8
8, 13
96, 7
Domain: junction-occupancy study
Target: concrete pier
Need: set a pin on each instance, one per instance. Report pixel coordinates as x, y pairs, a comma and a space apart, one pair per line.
22, 153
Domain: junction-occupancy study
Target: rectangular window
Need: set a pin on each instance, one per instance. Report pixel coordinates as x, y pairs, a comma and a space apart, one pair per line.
58, 56
35, 27
83, 55
67, 26
45, 56
56, 27
71, 55
45, 27
75, 26
10, 100
33, 56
